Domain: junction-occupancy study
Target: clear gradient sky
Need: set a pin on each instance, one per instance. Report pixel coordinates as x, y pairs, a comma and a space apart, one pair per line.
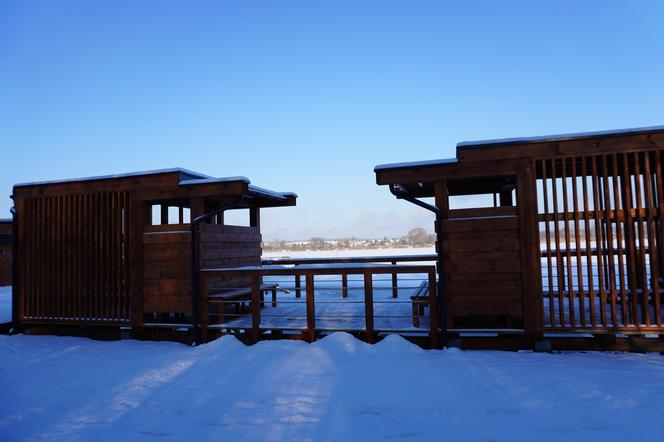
308, 96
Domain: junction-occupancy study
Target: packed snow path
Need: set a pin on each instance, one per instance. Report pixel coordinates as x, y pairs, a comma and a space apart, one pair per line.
337, 389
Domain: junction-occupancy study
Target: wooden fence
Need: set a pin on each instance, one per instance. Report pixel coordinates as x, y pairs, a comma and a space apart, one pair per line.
74, 249
600, 218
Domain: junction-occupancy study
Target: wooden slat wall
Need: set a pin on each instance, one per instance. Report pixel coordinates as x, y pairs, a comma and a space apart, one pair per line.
482, 266
5, 253
602, 265
74, 265
167, 261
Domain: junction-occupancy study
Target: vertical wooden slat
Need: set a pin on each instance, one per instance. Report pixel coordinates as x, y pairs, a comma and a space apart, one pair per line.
311, 307
547, 230
577, 245
652, 241
368, 305
54, 291
89, 246
99, 252
126, 312
67, 246
599, 241
30, 287
560, 272
609, 238
660, 215
630, 238
645, 310
588, 242
619, 237
568, 253
78, 251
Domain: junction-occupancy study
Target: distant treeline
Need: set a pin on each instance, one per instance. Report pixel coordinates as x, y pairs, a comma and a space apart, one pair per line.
415, 238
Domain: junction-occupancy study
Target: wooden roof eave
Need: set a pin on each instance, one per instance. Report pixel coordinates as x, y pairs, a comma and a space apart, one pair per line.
413, 174
562, 145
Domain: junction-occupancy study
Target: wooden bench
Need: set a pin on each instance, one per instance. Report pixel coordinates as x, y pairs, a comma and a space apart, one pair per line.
238, 297
420, 300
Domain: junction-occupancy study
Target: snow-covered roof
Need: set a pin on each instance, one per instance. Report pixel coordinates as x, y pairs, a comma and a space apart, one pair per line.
188, 174
560, 137
199, 181
270, 193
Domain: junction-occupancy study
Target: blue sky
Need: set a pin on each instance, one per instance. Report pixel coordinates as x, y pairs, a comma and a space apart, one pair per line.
310, 96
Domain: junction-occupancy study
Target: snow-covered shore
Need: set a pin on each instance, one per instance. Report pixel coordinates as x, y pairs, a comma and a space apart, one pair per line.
337, 389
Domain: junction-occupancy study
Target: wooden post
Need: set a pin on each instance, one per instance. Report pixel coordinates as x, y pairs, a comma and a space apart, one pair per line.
255, 217
344, 285
368, 306
298, 284
255, 307
433, 310
164, 213
311, 308
530, 253
203, 307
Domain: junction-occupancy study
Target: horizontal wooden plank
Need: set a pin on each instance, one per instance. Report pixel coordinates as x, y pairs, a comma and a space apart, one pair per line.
482, 212
183, 238
485, 309
230, 262
482, 245
493, 276
167, 269
476, 266
479, 225
492, 289
217, 228
462, 236
166, 254
167, 306
230, 245
231, 237
492, 257
167, 287
231, 253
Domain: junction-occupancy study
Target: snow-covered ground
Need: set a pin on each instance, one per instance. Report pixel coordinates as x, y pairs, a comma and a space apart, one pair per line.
337, 389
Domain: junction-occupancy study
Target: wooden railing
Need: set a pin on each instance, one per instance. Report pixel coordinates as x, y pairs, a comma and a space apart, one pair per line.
338, 297
392, 259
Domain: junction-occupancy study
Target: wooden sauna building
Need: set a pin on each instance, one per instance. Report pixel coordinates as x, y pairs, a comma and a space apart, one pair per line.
547, 235
6, 244
117, 250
